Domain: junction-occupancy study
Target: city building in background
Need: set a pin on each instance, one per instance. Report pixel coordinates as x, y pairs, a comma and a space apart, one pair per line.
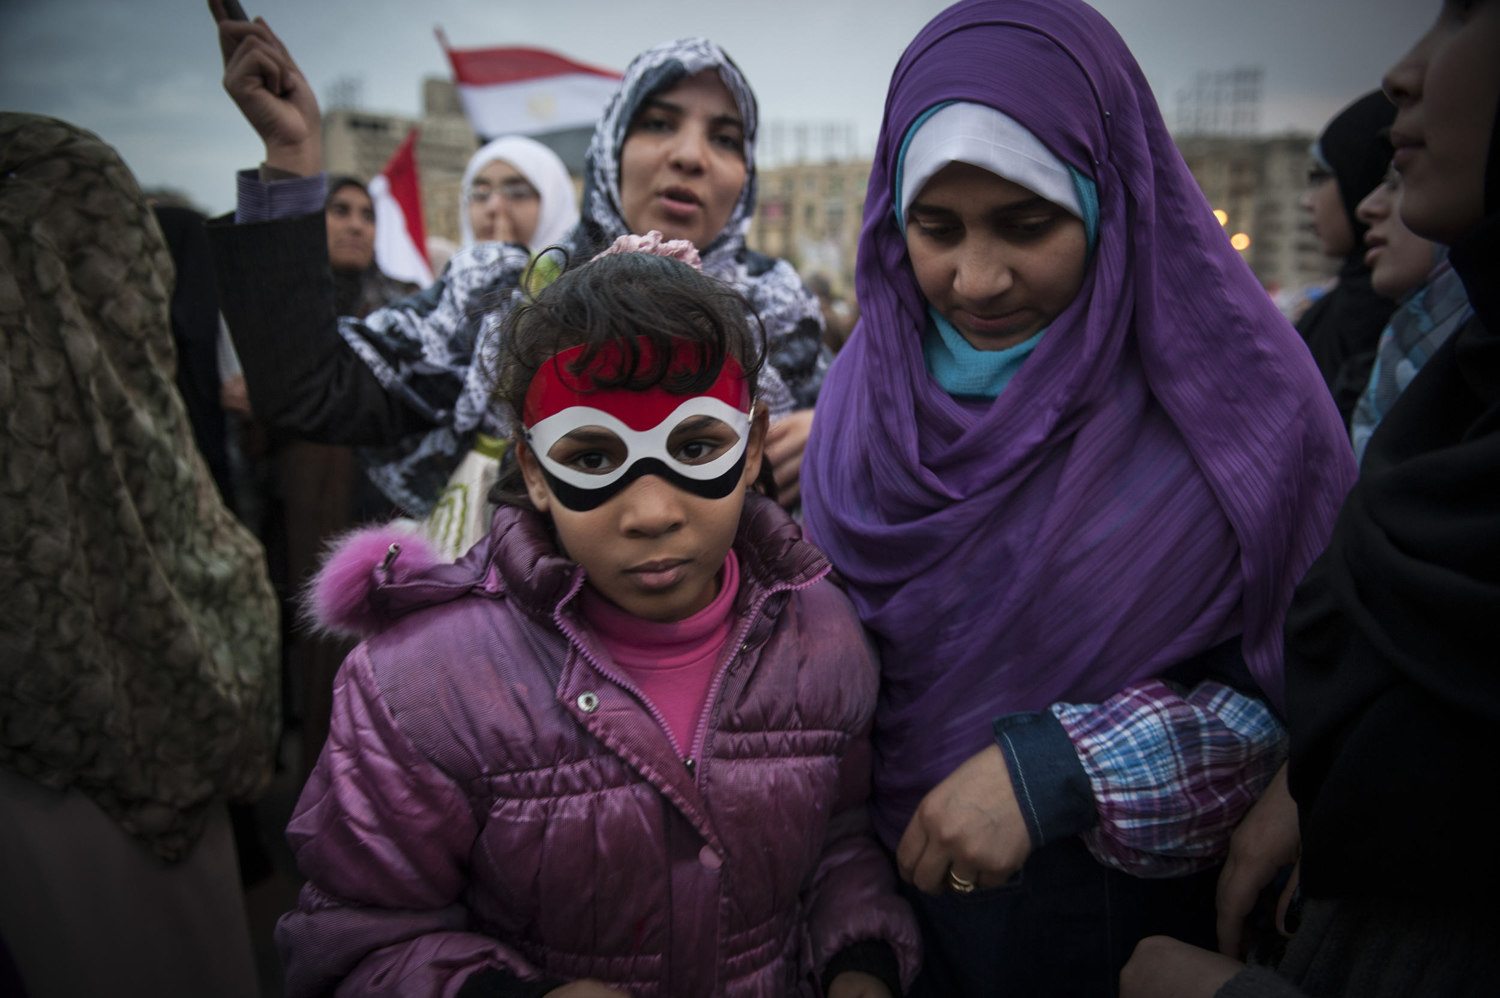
813, 177
810, 213
1258, 183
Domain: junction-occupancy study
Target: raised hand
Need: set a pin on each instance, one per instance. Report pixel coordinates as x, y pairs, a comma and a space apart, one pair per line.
271, 92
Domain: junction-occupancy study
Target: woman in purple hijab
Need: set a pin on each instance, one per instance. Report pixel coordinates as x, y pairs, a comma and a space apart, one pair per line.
1071, 464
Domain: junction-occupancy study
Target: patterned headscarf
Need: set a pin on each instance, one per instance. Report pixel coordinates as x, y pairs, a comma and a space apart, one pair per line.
787, 310
138, 634
1152, 482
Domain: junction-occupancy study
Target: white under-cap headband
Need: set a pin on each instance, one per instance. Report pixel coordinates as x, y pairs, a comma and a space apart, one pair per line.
981, 136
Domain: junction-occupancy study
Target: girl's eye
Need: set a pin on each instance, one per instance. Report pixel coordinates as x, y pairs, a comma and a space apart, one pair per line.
594, 462
592, 455
696, 451
730, 142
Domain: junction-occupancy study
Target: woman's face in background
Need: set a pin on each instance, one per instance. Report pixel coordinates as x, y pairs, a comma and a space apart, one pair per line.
1325, 204
1446, 91
502, 204
1398, 258
682, 166
350, 218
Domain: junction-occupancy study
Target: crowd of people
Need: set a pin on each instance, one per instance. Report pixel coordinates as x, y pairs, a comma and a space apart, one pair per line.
1069, 624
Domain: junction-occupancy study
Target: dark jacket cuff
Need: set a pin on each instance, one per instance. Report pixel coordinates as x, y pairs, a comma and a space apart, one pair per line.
869, 956
1051, 785
492, 982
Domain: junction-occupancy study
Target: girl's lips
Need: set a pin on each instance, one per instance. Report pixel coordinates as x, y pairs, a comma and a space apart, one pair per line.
655, 576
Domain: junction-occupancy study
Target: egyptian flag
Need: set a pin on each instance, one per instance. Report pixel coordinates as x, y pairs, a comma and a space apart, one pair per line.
400, 236
526, 91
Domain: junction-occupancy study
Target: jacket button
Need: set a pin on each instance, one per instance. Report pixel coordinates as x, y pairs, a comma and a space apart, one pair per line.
588, 702
710, 859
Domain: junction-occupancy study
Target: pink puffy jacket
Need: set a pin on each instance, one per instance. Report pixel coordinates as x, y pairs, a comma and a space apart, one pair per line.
493, 794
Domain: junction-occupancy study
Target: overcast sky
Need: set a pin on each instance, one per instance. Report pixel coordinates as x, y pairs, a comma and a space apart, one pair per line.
144, 74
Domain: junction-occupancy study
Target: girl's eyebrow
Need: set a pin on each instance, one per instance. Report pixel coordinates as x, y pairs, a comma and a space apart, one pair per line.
695, 424
591, 435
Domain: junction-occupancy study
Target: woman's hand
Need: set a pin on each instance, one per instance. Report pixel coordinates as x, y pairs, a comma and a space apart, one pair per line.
971, 823
271, 92
1266, 840
785, 443
856, 984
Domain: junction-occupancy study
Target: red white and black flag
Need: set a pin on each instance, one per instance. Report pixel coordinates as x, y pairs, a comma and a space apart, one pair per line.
400, 235
527, 91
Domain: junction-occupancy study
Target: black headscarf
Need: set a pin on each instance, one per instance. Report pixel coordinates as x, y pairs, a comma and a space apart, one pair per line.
360, 292
1393, 640
1356, 146
1343, 328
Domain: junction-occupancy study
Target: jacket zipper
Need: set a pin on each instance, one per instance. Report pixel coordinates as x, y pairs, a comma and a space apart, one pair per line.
710, 717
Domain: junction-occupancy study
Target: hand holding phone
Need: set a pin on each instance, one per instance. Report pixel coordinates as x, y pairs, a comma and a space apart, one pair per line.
270, 90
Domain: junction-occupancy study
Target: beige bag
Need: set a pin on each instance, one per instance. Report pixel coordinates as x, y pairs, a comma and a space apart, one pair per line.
463, 510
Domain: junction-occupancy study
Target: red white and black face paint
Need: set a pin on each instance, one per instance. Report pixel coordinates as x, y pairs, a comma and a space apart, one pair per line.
591, 443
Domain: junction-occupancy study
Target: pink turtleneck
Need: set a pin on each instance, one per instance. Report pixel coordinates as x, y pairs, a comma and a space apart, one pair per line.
670, 662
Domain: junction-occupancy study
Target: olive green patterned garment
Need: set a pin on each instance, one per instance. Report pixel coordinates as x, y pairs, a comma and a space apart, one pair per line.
138, 631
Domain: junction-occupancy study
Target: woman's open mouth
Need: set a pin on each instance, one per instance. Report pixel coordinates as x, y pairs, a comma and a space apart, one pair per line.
680, 202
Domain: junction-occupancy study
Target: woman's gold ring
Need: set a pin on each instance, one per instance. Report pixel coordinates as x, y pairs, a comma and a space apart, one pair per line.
958, 885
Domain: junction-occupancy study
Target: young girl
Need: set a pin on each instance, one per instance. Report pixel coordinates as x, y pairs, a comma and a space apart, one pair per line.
1071, 466
623, 740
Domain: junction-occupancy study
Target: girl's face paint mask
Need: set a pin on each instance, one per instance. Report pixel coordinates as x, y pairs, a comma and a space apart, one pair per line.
591, 442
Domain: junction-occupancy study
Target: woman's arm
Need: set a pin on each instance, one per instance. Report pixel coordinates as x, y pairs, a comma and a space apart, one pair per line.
275, 287
1170, 772
276, 293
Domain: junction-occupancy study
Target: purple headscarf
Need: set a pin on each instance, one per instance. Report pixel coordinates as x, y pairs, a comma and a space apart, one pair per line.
1153, 481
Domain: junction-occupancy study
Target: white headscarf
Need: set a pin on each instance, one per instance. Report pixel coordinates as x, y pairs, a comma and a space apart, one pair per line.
541, 167
965, 132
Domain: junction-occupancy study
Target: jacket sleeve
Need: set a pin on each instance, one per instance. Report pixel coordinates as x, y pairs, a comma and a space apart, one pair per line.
853, 897
276, 292
384, 840
1154, 779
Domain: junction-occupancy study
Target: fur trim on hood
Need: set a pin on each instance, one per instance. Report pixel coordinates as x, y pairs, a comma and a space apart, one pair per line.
339, 600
